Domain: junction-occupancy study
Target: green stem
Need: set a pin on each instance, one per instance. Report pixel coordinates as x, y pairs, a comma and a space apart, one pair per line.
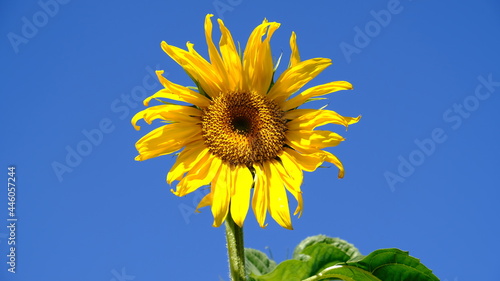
235, 250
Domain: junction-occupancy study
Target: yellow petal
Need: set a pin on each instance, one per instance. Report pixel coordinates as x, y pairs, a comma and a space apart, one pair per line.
292, 79
242, 182
295, 56
221, 197
197, 67
293, 170
260, 200
214, 55
177, 92
257, 59
264, 64
316, 91
352, 120
316, 118
205, 201
198, 171
306, 162
231, 58
201, 174
334, 160
292, 176
166, 139
296, 113
316, 158
168, 112
278, 201
306, 141
186, 160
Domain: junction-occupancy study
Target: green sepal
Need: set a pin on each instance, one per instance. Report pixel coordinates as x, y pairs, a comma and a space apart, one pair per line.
277, 62
164, 102
198, 87
314, 99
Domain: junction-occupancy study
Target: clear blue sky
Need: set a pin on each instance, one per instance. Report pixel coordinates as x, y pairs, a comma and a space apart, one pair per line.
421, 166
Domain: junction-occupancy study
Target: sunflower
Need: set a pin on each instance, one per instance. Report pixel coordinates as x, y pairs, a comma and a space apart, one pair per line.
242, 132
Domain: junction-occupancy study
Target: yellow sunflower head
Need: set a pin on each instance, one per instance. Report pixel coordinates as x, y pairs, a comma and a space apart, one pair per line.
243, 131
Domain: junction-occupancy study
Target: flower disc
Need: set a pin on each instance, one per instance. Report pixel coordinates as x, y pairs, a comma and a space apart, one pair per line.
243, 128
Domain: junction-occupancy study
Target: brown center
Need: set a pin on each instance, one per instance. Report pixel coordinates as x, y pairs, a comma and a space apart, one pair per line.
243, 128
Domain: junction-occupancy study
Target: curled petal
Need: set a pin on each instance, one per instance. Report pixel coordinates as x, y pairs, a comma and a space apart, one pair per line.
295, 56
335, 161
205, 201
167, 112
306, 162
316, 91
186, 160
201, 174
306, 141
292, 79
257, 59
231, 58
197, 67
315, 118
177, 92
214, 55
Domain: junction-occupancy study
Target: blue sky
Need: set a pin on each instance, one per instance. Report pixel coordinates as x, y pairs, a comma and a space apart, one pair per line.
420, 165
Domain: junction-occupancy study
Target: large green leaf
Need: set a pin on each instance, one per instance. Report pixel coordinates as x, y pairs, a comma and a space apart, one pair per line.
395, 265
310, 257
325, 258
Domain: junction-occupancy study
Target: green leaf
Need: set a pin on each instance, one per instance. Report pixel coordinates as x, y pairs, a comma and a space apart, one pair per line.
257, 263
384, 264
395, 265
289, 270
347, 248
311, 256
325, 258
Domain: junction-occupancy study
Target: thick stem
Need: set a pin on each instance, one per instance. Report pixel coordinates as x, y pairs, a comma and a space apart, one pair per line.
235, 249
